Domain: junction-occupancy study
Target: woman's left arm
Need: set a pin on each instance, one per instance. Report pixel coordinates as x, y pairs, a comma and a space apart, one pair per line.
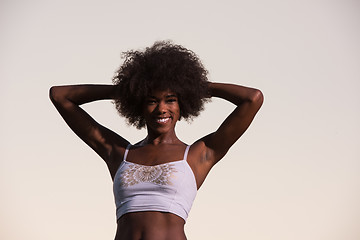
248, 102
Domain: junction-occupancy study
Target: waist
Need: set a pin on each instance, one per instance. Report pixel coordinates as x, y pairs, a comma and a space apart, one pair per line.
150, 225
151, 203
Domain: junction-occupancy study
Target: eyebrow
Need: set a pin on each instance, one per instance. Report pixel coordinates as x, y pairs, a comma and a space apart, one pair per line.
167, 96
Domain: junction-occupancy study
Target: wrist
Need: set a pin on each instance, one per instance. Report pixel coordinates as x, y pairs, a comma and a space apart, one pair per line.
210, 89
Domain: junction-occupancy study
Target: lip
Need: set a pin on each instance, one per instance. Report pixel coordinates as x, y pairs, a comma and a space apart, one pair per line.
162, 120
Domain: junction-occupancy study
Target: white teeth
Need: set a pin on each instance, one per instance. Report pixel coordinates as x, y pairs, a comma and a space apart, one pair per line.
162, 120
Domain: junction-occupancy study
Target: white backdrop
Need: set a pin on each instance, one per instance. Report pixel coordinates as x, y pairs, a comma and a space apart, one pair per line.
294, 175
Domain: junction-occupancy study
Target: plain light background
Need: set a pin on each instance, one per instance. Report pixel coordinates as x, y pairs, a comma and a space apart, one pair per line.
294, 175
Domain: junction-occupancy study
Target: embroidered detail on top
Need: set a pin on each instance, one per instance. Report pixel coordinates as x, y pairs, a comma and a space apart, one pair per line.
159, 174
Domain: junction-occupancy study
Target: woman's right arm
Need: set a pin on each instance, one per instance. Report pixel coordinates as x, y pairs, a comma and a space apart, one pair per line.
67, 100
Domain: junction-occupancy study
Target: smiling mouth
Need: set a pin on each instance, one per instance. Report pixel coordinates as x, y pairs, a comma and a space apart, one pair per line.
162, 120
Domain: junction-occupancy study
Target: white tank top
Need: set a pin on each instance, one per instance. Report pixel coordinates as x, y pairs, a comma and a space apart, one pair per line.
168, 187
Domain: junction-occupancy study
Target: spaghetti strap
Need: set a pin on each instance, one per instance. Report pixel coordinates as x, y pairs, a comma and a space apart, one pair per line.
186, 152
126, 152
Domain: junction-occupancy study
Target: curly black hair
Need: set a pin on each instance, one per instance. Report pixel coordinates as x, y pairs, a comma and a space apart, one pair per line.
160, 67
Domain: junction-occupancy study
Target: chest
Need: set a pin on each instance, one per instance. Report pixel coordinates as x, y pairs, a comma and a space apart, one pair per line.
168, 174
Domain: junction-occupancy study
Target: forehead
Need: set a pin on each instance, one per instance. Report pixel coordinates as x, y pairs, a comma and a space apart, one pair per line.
162, 93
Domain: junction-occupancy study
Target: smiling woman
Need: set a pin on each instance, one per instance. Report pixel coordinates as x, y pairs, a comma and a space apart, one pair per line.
156, 179
161, 111
164, 66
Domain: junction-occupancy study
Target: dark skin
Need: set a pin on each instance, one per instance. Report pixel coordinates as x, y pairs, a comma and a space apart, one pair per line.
161, 111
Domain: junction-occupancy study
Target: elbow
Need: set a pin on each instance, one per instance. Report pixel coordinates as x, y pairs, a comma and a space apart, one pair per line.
257, 98
52, 93
55, 94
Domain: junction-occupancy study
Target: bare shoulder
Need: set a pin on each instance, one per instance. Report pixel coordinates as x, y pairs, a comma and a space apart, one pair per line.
197, 151
198, 161
115, 159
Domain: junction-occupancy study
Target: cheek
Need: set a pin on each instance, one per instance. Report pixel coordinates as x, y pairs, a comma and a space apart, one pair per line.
148, 109
178, 112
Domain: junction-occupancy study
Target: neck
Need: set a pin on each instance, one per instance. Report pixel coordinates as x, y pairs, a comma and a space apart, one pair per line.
166, 138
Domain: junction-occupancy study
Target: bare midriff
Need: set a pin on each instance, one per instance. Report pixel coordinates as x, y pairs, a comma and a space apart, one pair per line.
150, 225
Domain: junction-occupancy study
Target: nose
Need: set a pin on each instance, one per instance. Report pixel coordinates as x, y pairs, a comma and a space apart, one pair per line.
161, 107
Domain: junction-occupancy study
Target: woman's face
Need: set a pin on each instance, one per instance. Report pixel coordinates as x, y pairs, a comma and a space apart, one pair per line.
161, 111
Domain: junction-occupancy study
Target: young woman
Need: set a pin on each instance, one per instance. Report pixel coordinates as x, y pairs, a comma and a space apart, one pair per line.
156, 179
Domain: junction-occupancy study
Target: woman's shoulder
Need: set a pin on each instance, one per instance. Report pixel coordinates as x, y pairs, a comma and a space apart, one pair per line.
116, 157
197, 152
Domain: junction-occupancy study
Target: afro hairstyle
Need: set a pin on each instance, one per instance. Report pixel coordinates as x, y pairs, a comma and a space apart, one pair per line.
162, 66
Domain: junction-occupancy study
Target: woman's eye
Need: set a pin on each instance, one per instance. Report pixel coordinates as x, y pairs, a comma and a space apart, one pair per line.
172, 100
151, 101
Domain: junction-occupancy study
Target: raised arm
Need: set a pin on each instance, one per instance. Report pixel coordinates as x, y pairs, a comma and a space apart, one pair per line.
248, 102
67, 100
